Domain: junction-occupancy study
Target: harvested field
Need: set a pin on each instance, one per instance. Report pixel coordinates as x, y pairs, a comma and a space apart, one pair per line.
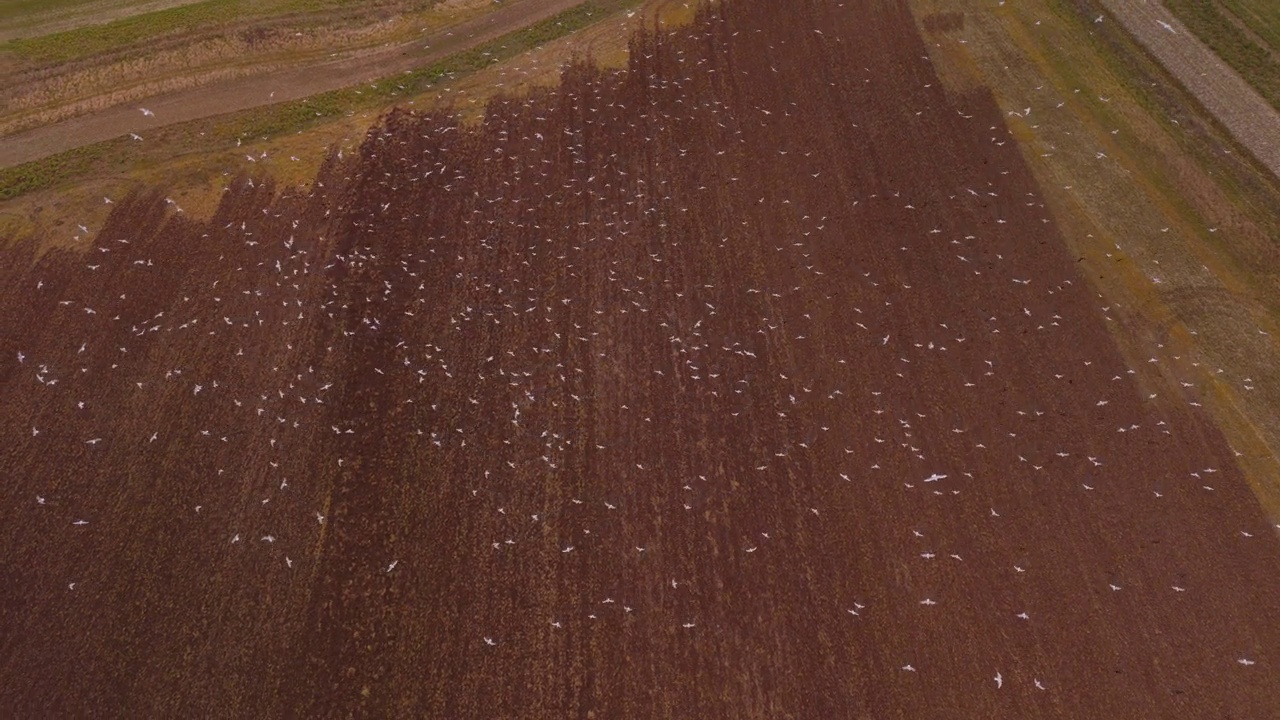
751, 381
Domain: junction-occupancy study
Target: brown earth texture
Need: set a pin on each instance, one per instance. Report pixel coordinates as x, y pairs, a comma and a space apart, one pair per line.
752, 381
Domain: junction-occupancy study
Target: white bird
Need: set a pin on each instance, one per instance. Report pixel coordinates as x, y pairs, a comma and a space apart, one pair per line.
489, 641
1038, 685
1246, 662
80, 522
1166, 26
999, 681
392, 566
147, 112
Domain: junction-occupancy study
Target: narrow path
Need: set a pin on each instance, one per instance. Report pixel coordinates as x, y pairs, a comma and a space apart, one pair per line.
1250, 118
280, 86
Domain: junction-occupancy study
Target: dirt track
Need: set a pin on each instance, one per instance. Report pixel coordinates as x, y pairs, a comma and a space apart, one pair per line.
751, 382
275, 87
1253, 122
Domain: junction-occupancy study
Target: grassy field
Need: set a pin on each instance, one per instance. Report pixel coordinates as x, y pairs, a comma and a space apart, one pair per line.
1244, 33
135, 32
53, 77
15, 11
27, 18
1261, 17
1171, 222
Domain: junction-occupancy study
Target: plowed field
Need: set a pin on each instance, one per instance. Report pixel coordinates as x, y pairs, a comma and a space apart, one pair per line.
752, 381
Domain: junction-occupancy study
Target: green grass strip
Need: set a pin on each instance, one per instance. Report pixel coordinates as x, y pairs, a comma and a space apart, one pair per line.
136, 30
1256, 64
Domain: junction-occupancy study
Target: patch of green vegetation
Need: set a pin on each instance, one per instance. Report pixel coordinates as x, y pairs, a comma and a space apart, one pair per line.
43, 173
1260, 16
298, 115
1256, 64
135, 30
15, 9
1103, 114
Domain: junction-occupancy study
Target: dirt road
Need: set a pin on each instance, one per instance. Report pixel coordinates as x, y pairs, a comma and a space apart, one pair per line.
1251, 119
280, 86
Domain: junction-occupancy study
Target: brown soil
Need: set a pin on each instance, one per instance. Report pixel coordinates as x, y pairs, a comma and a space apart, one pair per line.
629, 402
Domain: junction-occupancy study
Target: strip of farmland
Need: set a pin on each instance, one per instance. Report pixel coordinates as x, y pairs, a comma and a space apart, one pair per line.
751, 381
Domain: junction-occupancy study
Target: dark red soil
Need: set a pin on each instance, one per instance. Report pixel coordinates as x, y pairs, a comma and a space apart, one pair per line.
713, 323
